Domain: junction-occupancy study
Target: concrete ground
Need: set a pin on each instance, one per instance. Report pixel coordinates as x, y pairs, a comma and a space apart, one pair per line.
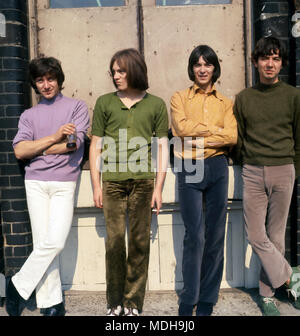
232, 302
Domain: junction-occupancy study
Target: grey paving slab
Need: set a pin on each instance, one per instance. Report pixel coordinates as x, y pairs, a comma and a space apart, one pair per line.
232, 302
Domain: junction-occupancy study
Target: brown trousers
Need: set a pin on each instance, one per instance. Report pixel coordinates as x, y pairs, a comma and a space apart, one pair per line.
126, 276
266, 199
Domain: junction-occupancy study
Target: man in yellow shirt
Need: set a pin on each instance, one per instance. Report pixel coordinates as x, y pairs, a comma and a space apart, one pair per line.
203, 119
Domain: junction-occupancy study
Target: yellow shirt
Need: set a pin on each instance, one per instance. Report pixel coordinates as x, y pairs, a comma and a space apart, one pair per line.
207, 117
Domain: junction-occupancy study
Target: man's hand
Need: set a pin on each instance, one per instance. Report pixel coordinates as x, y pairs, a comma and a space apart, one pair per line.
98, 196
63, 131
156, 202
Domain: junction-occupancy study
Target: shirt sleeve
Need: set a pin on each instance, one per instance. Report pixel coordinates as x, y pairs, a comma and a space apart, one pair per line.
25, 129
81, 120
237, 150
181, 125
228, 134
162, 121
98, 124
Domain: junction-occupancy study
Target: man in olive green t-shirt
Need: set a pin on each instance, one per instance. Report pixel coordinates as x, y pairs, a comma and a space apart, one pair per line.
124, 123
268, 117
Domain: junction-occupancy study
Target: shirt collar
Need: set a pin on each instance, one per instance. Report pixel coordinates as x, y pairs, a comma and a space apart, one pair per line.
196, 89
123, 107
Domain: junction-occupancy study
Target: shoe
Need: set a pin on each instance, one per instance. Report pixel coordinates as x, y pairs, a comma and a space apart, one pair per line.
56, 310
296, 303
130, 312
185, 309
13, 301
293, 288
268, 306
115, 311
204, 309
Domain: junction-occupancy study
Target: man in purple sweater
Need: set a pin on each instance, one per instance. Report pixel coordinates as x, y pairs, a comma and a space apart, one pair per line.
50, 181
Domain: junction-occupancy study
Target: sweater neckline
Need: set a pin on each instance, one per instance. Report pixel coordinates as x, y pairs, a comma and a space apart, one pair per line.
262, 86
52, 100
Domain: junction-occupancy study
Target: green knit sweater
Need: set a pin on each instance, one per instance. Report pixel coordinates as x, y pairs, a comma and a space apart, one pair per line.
268, 118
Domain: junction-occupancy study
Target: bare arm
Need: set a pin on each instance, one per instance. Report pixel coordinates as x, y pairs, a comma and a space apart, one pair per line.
162, 166
59, 148
94, 157
28, 149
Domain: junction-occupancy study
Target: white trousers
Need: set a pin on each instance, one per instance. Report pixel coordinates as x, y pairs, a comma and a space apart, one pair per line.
50, 207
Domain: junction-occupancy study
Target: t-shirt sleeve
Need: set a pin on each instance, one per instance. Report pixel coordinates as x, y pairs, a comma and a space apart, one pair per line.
162, 121
25, 130
98, 124
81, 119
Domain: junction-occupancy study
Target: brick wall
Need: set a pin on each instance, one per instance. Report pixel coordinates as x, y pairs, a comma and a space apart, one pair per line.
297, 57
1, 251
297, 196
15, 234
274, 18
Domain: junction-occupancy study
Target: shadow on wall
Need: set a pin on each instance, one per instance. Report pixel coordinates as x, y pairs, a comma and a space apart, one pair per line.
83, 260
2, 288
245, 265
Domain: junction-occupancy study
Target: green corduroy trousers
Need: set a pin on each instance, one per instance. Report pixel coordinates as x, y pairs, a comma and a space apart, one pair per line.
127, 204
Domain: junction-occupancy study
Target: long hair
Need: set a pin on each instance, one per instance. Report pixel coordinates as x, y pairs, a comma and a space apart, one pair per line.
131, 61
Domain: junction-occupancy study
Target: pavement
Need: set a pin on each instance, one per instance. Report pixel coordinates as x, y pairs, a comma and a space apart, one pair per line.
232, 302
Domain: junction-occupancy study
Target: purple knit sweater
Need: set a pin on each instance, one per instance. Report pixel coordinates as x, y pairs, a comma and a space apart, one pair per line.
45, 119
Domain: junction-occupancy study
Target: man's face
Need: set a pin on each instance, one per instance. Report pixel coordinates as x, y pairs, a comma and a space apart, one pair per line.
203, 72
120, 77
269, 67
47, 86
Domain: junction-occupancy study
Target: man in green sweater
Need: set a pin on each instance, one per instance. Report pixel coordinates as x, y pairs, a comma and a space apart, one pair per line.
268, 117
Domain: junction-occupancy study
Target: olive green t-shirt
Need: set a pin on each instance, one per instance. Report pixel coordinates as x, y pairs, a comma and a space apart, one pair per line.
128, 135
